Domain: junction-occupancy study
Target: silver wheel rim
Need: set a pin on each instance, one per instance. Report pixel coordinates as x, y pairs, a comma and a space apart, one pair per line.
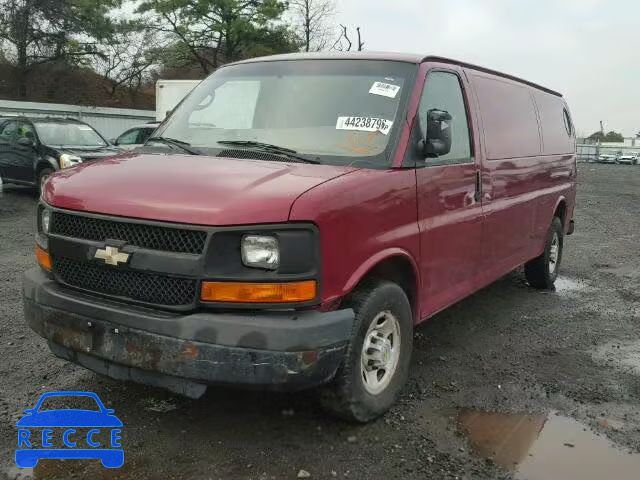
380, 352
554, 253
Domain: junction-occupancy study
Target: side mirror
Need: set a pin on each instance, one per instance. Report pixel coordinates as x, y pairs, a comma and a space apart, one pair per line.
438, 139
26, 142
113, 141
29, 411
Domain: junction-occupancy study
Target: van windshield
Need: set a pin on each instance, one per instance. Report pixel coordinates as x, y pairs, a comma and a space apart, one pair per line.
337, 111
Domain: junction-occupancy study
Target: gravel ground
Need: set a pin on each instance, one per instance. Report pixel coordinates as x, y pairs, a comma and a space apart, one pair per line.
506, 349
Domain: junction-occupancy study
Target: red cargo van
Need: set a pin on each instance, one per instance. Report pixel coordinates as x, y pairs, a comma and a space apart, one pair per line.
296, 217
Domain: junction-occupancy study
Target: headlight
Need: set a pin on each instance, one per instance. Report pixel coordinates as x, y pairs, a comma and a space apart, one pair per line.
67, 160
260, 251
45, 220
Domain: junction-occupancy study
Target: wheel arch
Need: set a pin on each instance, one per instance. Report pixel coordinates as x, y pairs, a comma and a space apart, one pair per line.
394, 264
560, 210
46, 162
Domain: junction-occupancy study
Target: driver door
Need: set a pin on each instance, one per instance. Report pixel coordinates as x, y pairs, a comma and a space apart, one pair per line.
449, 205
26, 155
8, 131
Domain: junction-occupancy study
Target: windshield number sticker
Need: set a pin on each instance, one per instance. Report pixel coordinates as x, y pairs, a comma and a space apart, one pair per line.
384, 89
364, 124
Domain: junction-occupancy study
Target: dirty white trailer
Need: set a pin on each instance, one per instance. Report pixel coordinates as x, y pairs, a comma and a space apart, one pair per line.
110, 122
170, 93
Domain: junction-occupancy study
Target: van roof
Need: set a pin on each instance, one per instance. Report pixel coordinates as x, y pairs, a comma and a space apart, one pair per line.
393, 56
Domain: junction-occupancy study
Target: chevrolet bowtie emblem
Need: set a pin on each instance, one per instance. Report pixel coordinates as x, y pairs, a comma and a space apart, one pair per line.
111, 256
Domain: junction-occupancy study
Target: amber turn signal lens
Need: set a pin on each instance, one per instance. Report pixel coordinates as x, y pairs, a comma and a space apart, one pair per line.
43, 258
234, 292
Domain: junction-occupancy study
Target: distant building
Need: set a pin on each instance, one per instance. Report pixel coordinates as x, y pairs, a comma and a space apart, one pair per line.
628, 142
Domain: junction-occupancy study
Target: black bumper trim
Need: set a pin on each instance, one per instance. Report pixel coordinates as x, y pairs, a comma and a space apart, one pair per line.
281, 331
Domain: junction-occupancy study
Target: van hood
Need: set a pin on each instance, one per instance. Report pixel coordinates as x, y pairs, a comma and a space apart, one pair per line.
187, 189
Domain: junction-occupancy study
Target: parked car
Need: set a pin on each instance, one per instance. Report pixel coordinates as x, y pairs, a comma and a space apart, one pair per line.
630, 158
278, 239
608, 158
33, 148
136, 137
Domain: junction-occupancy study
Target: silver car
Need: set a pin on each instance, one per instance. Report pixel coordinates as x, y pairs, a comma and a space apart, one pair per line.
608, 158
136, 136
629, 158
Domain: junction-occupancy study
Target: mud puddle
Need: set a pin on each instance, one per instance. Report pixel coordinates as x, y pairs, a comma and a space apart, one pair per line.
543, 447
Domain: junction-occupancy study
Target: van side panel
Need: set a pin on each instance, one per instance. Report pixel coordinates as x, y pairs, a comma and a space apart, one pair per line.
556, 139
559, 156
510, 125
512, 149
529, 159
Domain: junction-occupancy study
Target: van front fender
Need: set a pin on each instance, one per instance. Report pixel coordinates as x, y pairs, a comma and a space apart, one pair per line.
378, 259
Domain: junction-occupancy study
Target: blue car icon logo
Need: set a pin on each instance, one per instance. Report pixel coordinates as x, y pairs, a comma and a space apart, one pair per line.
38, 428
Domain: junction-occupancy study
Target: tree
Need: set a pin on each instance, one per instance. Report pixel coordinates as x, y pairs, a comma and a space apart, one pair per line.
217, 31
344, 44
34, 32
609, 137
312, 17
128, 58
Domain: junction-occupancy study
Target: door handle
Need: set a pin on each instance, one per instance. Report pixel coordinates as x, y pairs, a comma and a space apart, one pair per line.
478, 193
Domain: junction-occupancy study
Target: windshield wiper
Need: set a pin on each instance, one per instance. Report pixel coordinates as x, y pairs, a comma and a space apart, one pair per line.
270, 148
172, 142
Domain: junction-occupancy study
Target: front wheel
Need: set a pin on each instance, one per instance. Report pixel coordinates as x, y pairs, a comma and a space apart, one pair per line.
376, 361
542, 271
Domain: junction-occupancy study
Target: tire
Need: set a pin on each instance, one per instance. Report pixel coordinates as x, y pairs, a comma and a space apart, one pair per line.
349, 396
42, 176
541, 272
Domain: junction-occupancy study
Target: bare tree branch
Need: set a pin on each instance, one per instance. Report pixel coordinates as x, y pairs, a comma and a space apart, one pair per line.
346, 37
343, 42
312, 17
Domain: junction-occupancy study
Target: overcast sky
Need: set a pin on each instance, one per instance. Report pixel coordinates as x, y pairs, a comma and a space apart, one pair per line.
586, 49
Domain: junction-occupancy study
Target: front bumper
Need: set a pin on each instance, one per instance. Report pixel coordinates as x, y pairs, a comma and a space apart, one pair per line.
288, 350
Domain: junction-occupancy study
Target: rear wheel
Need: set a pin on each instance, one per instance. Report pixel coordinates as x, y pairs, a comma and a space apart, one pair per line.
42, 177
541, 272
376, 361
